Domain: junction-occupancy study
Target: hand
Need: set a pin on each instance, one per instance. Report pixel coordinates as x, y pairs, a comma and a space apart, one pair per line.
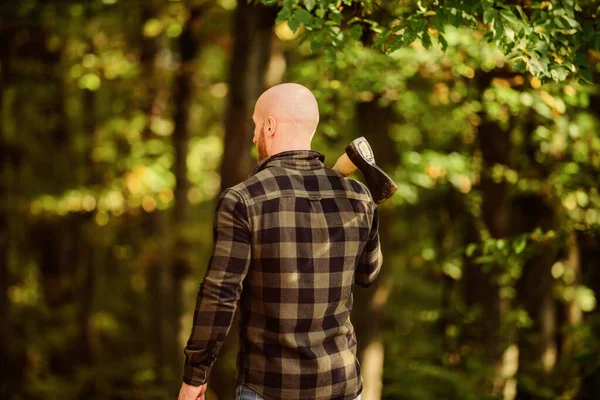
189, 392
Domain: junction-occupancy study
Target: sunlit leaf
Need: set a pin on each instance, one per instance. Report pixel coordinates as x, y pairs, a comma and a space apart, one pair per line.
310, 4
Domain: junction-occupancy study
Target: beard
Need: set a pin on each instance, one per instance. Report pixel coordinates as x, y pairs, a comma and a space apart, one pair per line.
261, 145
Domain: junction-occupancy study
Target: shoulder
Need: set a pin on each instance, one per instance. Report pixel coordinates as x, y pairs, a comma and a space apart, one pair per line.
265, 183
362, 190
231, 200
352, 186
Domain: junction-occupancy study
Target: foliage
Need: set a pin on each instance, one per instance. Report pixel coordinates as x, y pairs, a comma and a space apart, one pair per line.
549, 39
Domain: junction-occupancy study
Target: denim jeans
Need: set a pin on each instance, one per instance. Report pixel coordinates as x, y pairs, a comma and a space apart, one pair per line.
244, 393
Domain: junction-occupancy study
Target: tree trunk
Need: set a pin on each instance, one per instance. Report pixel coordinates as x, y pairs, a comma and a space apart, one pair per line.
481, 290
163, 343
181, 251
4, 276
374, 122
87, 264
537, 345
87, 251
589, 254
5, 359
452, 211
160, 286
570, 314
252, 33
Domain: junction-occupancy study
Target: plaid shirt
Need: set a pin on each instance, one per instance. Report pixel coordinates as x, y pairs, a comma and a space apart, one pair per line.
289, 243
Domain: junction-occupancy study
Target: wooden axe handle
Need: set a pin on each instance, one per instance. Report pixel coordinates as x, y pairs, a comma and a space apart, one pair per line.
344, 165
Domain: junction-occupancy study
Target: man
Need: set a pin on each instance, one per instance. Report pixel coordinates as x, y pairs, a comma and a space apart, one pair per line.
289, 243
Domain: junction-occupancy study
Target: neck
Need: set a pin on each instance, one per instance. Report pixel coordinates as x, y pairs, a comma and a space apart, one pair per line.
290, 146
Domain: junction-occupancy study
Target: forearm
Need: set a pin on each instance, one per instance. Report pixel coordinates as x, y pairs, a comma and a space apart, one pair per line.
368, 270
212, 320
371, 259
221, 288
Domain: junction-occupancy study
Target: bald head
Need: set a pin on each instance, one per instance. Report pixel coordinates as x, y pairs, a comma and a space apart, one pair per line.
287, 116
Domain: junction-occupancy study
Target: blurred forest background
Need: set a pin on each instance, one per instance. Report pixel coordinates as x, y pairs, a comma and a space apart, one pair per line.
121, 121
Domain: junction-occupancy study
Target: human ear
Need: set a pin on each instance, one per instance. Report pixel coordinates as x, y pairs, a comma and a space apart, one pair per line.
271, 126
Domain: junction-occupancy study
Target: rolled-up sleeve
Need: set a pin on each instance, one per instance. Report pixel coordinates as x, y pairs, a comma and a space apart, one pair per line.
371, 259
221, 288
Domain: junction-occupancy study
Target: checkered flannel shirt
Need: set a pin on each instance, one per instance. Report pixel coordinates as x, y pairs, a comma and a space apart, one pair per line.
289, 243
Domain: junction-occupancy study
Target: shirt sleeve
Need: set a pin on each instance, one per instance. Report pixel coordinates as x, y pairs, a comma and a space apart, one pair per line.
371, 258
221, 288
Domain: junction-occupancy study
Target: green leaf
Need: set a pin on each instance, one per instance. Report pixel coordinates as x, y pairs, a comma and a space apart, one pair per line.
303, 39
336, 17
399, 27
443, 42
522, 14
310, 4
418, 23
330, 52
426, 40
586, 75
293, 24
303, 16
571, 22
510, 35
317, 41
520, 66
535, 66
484, 259
510, 17
498, 29
455, 18
382, 37
321, 13
315, 45
437, 23
356, 32
560, 74
394, 44
519, 244
283, 15
541, 47
409, 36
471, 249
489, 15
368, 5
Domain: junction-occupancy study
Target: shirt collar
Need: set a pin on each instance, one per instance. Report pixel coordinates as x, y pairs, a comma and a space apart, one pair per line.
304, 160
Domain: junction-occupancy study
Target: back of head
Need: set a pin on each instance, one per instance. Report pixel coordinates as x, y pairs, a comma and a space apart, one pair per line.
289, 115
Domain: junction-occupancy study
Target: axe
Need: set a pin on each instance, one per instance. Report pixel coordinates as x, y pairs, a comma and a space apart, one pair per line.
359, 155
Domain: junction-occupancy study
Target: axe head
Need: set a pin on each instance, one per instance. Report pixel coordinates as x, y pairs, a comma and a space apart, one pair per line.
382, 187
